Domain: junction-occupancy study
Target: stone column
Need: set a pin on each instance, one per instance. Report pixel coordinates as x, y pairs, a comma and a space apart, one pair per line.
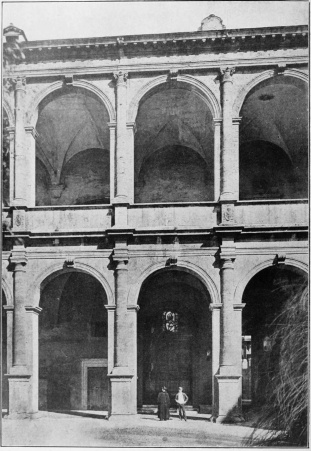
215, 309
33, 356
19, 374
21, 163
121, 375
112, 131
228, 176
229, 375
111, 344
217, 149
121, 162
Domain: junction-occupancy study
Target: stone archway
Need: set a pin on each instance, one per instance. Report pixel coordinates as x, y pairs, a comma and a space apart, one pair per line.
73, 343
174, 143
264, 296
174, 337
273, 137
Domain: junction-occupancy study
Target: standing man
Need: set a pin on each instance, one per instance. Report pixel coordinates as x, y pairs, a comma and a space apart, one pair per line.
163, 405
181, 398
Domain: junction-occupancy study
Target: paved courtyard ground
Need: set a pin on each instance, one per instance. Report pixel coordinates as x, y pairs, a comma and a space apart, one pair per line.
60, 429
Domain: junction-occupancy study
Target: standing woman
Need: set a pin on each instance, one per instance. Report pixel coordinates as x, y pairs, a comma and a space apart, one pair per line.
163, 405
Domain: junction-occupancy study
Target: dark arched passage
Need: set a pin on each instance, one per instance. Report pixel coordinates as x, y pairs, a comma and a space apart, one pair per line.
174, 337
73, 344
265, 296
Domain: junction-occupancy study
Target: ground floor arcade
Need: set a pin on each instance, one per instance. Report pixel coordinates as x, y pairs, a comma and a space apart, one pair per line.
78, 335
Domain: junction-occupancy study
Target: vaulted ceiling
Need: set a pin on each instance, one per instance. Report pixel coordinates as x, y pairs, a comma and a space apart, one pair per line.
173, 116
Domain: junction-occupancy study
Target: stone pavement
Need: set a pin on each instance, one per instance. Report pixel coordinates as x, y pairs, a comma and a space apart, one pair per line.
61, 429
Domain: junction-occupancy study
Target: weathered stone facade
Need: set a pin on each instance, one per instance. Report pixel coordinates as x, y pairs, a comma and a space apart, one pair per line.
170, 170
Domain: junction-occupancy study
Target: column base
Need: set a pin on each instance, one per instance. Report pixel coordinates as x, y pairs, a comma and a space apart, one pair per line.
120, 418
121, 403
229, 408
19, 383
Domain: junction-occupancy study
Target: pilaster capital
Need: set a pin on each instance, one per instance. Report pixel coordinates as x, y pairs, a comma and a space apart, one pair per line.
18, 257
131, 126
226, 74
31, 130
112, 125
239, 306
8, 308
236, 120
217, 121
110, 307
31, 309
215, 306
121, 77
133, 308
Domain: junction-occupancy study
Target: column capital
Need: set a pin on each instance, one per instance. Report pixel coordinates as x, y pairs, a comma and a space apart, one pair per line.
226, 73
18, 257
227, 259
120, 257
19, 83
8, 308
121, 77
110, 307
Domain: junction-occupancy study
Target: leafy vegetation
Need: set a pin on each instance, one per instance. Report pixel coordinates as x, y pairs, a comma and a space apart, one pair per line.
285, 412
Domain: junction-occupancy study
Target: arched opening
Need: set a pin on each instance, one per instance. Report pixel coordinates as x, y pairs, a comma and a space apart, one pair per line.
72, 149
174, 338
73, 343
5, 159
174, 146
265, 296
5, 383
274, 140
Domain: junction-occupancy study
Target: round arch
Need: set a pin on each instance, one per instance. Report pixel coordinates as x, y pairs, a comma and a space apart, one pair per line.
33, 109
8, 292
256, 269
191, 268
196, 86
55, 270
9, 111
238, 103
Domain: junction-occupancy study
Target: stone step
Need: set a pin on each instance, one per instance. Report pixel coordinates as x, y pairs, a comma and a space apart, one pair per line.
152, 408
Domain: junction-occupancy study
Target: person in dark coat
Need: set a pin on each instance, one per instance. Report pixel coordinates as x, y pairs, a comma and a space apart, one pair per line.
163, 405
